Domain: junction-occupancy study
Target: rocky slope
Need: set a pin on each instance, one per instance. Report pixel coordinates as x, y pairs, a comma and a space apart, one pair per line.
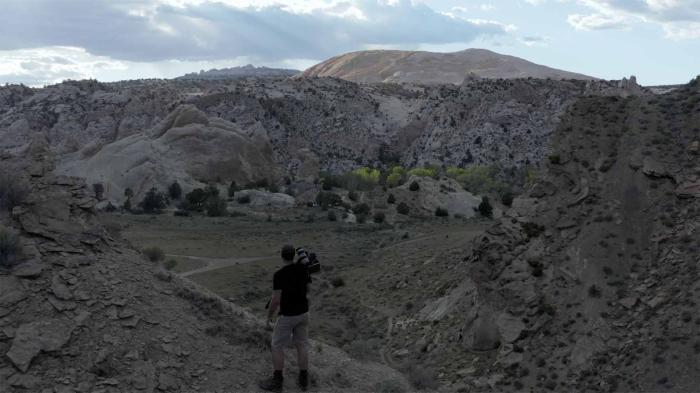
300, 125
248, 71
86, 313
397, 66
590, 281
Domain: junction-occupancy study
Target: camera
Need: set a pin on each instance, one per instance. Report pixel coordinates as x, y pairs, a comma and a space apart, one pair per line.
309, 260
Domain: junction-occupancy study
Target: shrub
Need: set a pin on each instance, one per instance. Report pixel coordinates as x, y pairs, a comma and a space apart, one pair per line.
215, 206
232, 188
532, 229
244, 199
175, 191
477, 179
361, 208
402, 208
153, 202
128, 193
170, 264
485, 208
99, 191
391, 199
414, 186
329, 181
332, 216
422, 378
424, 172
367, 175
554, 159
10, 248
211, 190
13, 191
262, 183
337, 282
195, 199
441, 212
361, 218
396, 176
379, 217
352, 195
507, 199
327, 199
154, 254
273, 188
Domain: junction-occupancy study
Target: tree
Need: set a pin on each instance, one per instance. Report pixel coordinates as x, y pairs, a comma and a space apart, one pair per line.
327, 199
391, 199
154, 201
379, 217
212, 190
414, 186
441, 212
485, 208
128, 193
175, 191
361, 209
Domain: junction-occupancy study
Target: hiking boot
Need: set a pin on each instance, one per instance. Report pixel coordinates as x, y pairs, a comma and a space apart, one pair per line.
303, 381
272, 384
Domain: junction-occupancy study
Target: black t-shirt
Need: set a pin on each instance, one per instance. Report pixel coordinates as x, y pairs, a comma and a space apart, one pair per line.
292, 280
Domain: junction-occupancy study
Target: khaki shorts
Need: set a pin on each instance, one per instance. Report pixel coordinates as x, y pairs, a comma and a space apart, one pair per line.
290, 330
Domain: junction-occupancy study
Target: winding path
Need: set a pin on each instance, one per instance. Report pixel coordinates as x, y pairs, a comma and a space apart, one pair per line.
216, 263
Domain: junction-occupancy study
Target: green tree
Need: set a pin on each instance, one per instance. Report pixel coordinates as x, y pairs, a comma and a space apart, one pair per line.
175, 191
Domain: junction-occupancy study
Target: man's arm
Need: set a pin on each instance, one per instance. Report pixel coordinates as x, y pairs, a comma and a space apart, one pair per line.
274, 305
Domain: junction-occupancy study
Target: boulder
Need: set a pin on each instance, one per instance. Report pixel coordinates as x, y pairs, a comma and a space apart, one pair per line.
444, 193
42, 336
260, 198
11, 291
29, 269
688, 190
482, 333
654, 168
509, 327
438, 309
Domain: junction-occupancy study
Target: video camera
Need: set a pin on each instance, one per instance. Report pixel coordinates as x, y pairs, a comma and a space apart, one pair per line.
309, 260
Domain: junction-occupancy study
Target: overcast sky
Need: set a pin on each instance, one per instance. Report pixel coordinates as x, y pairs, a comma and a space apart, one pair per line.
46, 41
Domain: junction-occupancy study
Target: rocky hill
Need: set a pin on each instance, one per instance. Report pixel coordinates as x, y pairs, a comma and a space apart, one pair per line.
84, 312
248, 71
397, 66
240, 129
590, 281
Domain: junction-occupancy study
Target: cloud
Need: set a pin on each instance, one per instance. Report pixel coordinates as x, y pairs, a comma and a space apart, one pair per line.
191, 30
680, 19
534, 40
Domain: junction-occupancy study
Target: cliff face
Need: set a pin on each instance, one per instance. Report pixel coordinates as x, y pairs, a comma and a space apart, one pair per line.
590, 280
282, 125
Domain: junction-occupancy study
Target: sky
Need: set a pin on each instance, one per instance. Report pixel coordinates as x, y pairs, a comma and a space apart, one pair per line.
47, 41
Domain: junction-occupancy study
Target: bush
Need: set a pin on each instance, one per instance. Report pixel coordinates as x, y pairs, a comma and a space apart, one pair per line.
402, 208
477, 179
391, 199
441, 212
396, 176
361, 209
332, 216
154, 254
262, 183
195, 199
361, 218
10, 248
244, 199
232, 188
507, 199
337, 282
215, 206
13, 191
175, 191
170, 264
153, 202
327, 199
424, 172
379, 217
532, 229
554, 159
414, 186
211, 190
273, 188
352, 195
99, 191
485, 208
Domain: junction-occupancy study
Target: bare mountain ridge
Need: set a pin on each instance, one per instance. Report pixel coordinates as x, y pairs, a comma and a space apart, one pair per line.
428, 67
247, 71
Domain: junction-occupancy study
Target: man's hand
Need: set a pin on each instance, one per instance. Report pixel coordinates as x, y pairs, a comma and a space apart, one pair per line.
268, 325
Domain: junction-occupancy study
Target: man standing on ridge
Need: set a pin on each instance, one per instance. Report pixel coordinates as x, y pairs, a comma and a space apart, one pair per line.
290, 286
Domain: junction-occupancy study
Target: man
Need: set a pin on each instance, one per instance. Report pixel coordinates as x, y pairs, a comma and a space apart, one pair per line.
290, 285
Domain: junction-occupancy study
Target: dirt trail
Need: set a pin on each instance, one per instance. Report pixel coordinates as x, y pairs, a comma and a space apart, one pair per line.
217, 263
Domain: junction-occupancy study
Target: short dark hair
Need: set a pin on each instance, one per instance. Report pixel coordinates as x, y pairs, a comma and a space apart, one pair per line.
288, 252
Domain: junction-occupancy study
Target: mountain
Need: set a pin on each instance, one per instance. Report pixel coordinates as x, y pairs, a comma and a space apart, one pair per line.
429, 67
248, 71
142, 134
